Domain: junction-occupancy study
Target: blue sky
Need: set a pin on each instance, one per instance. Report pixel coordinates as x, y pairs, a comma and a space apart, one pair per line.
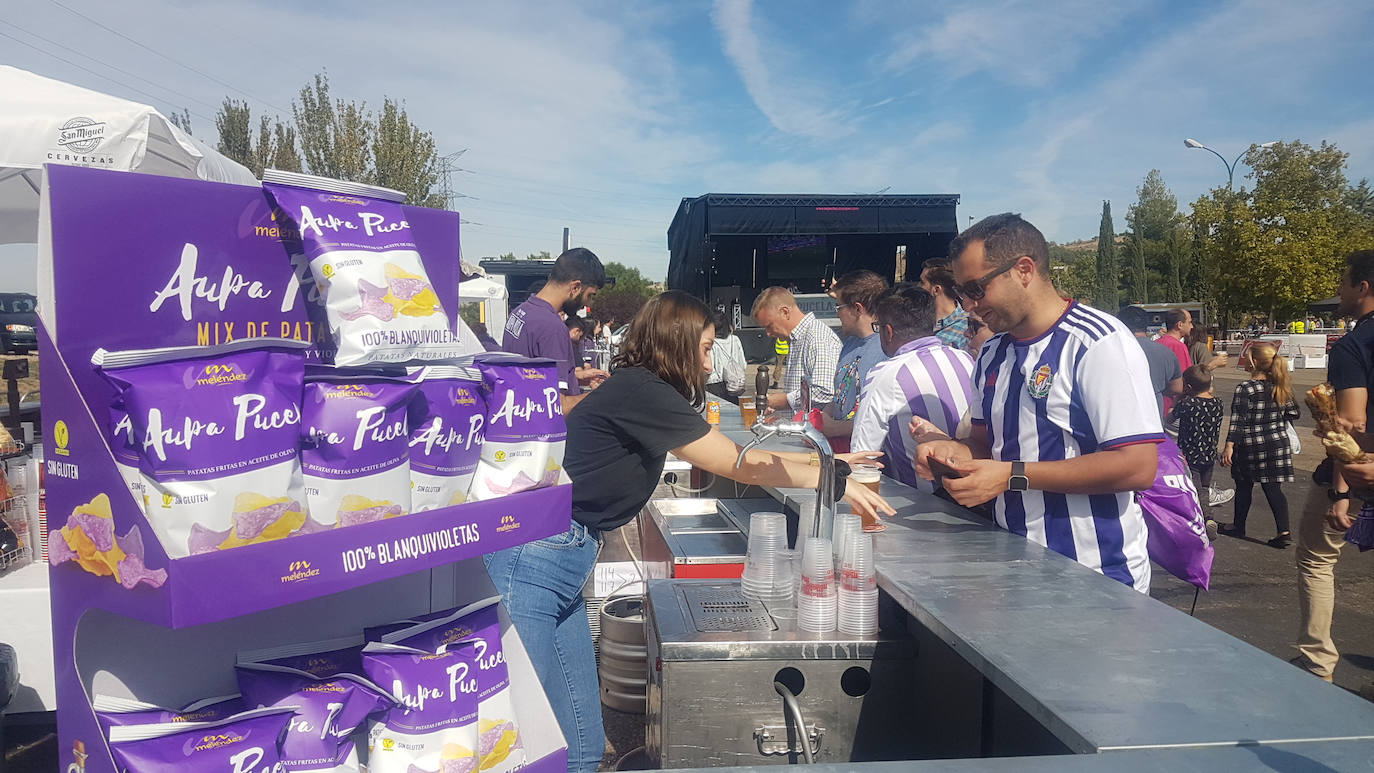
602, 116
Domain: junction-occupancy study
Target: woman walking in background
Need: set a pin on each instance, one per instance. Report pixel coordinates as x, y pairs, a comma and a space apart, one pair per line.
1257, 446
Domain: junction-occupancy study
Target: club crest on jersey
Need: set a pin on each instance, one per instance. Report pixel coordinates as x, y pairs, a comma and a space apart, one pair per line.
1040, 382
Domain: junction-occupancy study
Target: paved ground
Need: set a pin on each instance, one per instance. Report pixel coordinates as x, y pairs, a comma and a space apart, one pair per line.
1254, 587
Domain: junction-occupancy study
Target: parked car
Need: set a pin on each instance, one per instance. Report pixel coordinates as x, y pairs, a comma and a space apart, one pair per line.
18, 322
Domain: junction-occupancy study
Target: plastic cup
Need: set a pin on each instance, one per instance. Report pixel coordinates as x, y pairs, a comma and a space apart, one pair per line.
748, 410
867, 475
846, 525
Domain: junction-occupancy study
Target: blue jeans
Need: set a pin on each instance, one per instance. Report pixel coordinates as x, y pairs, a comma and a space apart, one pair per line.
541, 583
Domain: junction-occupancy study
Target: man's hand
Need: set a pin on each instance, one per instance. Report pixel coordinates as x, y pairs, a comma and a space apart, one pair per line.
923, 431
591, 376
984, 480
1338, 517
862, 457
777, 400
951, 452
866, 504
1359, 476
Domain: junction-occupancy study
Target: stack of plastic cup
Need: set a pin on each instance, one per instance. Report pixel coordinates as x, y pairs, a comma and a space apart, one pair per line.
767, 573
846, 524
858, 592
816, 605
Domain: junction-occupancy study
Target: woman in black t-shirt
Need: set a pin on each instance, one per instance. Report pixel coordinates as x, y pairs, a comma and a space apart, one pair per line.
618, 438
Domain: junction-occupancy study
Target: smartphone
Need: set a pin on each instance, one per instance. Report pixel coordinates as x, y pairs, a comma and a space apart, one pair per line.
942, 470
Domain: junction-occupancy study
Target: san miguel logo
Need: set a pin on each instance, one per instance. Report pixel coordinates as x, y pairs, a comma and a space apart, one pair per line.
78, 141
81, 134
1040, 383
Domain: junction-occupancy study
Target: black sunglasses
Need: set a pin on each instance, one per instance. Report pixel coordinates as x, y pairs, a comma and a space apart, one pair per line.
975, 289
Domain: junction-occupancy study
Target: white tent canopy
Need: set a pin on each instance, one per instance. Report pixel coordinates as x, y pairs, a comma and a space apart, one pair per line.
45, 121
492, 295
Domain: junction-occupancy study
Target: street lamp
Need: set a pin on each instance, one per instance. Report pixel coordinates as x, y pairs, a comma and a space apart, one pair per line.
1230, 179
1230, 166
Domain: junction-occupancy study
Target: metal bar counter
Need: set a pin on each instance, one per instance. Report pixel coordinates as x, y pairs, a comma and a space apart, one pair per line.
1098, 665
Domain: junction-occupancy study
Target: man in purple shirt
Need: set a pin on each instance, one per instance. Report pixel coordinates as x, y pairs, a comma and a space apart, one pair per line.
535, 328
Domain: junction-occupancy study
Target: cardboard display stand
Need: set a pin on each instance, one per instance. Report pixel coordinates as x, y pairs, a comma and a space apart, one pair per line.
139, 261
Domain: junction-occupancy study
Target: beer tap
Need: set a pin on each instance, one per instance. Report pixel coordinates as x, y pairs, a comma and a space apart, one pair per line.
825, 488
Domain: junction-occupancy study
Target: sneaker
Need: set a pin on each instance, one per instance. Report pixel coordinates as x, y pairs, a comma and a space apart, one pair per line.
1219, 496
1282, 541
1302, 662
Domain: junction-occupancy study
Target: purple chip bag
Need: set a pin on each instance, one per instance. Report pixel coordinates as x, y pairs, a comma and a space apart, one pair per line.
356, 456
216, 430
247, 742
522, 447
499, 744
111, 711
378, 298
433, 726
445, 436
329, 709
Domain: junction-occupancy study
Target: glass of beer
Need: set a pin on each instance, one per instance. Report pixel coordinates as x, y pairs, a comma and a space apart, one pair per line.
866, 475
748, 410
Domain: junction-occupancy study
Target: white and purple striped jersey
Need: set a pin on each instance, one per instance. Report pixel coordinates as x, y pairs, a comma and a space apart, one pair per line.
924, 378
1082, 387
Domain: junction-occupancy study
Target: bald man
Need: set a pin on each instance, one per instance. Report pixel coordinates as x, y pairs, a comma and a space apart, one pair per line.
814, 349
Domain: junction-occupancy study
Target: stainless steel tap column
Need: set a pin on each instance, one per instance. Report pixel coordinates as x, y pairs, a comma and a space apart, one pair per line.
825, 487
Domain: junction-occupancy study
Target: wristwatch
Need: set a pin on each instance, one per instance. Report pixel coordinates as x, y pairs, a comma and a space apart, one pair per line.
1018, 480
1336, 496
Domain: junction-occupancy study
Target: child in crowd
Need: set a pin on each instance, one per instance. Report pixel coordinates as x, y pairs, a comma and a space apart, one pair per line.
1199, 414
1257, 446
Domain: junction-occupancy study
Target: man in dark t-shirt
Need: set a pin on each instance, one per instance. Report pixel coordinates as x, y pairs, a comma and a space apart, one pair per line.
1321, 536
535, 329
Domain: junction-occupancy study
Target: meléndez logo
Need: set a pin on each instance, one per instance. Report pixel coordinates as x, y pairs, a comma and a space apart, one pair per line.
299, 570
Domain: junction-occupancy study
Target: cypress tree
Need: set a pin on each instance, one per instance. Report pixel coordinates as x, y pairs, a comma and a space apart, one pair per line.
1106, 297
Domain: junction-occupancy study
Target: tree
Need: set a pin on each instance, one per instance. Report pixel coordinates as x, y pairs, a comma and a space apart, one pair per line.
1107, 296
339, 139
1158, 251
274, 148
181, 120
404, 156
336, 136
1279, 246
1074, 275
622, 300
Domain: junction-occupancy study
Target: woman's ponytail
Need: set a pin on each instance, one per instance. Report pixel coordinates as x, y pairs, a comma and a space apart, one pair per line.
1265, 358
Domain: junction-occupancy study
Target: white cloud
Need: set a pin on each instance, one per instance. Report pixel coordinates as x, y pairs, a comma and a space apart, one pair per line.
1243, 73
792, 105
1025, 42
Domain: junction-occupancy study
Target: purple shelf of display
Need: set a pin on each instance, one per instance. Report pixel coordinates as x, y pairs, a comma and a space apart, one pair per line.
217, 586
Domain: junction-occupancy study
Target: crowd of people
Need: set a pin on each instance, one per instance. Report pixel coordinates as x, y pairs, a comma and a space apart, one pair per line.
979, 382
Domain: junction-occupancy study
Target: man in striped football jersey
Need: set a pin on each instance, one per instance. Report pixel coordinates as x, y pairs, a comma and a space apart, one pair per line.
1064, 422
922, 377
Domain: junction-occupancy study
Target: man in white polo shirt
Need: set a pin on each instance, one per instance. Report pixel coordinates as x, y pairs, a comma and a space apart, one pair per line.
814, 349
1064, 423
